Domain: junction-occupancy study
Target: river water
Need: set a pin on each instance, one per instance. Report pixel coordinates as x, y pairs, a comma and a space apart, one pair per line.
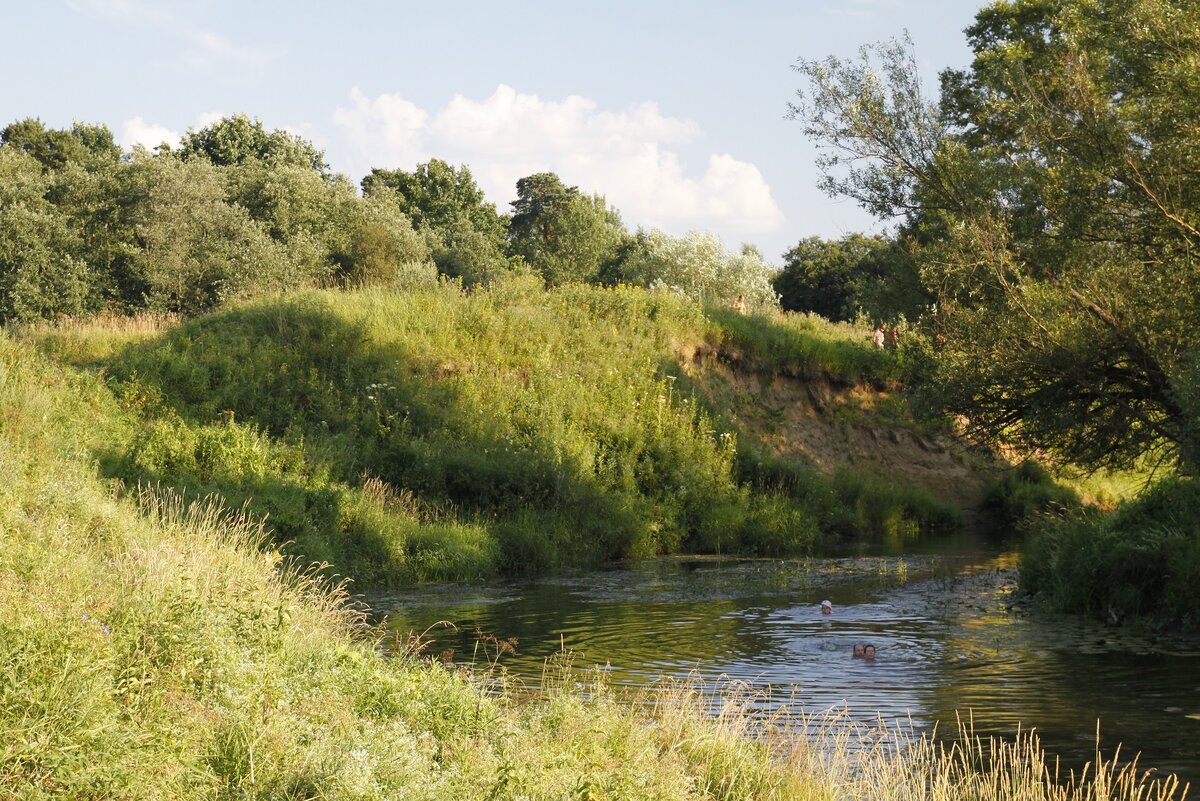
951, 632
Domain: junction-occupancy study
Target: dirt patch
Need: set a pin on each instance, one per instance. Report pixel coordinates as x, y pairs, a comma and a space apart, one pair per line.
835, 425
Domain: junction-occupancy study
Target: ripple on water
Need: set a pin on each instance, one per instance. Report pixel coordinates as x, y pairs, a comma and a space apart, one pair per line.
947, 635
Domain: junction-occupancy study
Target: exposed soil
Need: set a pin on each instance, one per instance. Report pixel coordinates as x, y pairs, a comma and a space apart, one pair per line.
833, 425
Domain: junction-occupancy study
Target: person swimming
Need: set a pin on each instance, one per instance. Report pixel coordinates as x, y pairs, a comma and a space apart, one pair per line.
868, 651
859, 649
827, 607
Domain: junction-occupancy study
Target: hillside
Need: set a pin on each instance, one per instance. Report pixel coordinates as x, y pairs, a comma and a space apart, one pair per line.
435, 434
155, 649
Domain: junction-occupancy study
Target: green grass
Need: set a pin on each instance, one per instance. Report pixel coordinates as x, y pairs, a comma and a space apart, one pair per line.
154, 648
1139, 561
805, 346
510, 429
1028, 492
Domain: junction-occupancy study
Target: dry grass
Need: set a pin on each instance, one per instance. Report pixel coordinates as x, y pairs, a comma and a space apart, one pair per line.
830, 756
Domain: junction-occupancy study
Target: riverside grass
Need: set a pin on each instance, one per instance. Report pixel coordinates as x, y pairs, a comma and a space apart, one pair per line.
510, 429
152, 648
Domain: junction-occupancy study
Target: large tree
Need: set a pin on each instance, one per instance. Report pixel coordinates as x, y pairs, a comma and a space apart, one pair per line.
698, 266
841, 278
40, 274
83, 144
1055, 202
467, 235
562, 233
237, 140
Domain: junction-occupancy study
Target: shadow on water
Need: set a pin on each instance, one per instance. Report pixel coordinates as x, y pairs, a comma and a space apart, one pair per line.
952, 637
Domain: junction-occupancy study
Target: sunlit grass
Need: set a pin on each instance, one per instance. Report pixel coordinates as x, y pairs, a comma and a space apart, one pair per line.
157, 648
550, 429
91, 340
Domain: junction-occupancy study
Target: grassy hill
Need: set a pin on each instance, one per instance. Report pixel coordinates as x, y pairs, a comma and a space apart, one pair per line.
435, 434
159, 649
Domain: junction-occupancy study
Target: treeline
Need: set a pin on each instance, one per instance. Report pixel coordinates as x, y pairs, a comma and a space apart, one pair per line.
236, 210
1049, 201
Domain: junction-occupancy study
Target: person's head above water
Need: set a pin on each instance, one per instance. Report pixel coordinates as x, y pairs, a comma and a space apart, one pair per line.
859, 649
826, 607
869, 651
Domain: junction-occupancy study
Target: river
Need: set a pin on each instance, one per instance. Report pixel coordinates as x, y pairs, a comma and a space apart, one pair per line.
952, 636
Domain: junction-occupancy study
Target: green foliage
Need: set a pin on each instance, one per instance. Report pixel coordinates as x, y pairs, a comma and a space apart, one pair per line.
468, 237
1142, 560
324, 227
238, 140
85, 145
805, 346
839, 279
243, 212
1026, 492
562, 234
1051, 200
40, 274
698, 267
532, 429
197, 251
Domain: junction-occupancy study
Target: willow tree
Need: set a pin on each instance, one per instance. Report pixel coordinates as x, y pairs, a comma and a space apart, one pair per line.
1053, 197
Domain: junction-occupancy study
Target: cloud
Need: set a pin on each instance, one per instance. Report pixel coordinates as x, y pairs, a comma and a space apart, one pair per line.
203, 48
630, 155
209, 49
137, 131
207, 118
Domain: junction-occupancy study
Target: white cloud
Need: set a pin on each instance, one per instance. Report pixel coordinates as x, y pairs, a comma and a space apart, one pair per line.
137, 131
209, 49
203, 48
207, 118
629, 155
387, 131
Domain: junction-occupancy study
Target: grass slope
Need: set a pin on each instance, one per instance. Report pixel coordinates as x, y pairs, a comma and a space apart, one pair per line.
155, 650
435, 434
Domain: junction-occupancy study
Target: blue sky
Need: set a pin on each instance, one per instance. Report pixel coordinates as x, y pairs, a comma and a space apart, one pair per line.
673, 110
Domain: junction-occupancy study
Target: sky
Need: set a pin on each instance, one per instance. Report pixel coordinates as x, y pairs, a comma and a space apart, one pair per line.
674, 111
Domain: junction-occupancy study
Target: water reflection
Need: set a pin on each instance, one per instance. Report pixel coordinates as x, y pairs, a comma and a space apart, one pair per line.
944, 624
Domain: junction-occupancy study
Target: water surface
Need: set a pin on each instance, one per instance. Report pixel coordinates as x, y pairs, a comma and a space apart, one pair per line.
952, 636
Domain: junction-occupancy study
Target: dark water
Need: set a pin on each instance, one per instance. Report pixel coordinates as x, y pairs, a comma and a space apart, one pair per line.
951, 633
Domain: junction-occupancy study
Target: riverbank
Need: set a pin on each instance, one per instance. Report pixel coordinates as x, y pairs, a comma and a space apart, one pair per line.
157, 650
435, 435
1138, 563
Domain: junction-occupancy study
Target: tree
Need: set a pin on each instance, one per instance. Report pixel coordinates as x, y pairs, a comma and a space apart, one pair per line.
237, 140
196, 249
561, 233
466, 234
1055, 205
839, 278
39, 274
698, 266
55, 149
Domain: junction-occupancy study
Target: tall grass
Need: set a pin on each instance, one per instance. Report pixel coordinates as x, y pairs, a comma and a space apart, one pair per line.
806, 346
153, 647
1140, 561
547, 428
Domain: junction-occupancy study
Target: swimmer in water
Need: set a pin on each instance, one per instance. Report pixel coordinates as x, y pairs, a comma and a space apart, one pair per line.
827, 607
868, 652
859, 649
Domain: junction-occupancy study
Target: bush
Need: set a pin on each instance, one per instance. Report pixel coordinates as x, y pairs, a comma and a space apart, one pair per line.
1141, 561
1025, 492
